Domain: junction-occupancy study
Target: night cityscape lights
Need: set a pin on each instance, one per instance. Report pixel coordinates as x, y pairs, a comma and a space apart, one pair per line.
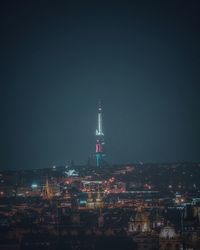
100, 125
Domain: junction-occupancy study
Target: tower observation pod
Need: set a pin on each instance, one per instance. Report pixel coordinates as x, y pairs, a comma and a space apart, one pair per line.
99, 153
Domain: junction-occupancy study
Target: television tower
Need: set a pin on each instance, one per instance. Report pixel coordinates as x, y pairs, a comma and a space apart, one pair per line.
99, 139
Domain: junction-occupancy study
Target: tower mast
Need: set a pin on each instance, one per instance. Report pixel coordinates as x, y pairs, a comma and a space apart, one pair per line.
99, 138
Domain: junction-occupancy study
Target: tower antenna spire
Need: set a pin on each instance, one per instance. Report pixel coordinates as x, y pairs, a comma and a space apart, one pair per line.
99, 103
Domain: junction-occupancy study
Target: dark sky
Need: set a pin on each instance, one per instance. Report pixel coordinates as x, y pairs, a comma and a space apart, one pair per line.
58, 58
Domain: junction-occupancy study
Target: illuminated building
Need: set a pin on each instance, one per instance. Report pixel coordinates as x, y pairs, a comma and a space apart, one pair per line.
90, 201
168, 239
47, 191
196, 212
99, 202
99, 139
191, 226
139, 223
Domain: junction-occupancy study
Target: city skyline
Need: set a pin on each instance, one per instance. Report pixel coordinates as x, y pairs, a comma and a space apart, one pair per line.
99, 125
58, 59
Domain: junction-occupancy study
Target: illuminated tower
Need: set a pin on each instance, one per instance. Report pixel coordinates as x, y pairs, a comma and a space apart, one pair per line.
90, 201
47, 191
99, 139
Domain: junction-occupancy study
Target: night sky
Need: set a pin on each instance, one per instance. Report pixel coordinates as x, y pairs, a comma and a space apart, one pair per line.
58, 58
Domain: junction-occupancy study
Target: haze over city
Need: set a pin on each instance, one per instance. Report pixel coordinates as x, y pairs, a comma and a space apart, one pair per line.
59, 58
